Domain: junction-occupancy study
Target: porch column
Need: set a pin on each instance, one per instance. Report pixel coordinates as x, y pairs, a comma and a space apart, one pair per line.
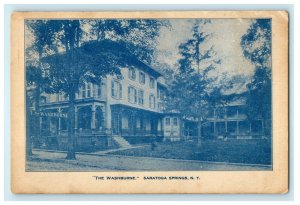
135, 115
59, 122
215, 122
226, 121
237, 122
93, 121
41, 123
76, 119
262, 127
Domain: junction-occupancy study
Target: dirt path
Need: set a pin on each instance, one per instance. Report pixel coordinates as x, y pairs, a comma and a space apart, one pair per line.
55, 161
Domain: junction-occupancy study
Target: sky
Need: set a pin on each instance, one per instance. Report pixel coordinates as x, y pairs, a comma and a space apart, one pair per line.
224, 35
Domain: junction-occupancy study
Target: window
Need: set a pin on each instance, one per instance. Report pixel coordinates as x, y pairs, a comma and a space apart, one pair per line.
116, 89
132, 94
142, 77
152, 82
96, 90
89, 90
168, 121
131, 73
99, 91
82, 92
152, 101
141, 97
175, 121
61, 97
63, 124
160, 94
43, 99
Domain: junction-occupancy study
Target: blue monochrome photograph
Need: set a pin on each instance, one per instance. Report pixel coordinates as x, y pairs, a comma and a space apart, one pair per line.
148, 94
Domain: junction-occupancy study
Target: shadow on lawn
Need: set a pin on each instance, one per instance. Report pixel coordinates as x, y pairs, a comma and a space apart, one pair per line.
256, 151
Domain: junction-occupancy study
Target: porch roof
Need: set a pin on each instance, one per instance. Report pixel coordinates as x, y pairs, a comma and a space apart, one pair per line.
127, 107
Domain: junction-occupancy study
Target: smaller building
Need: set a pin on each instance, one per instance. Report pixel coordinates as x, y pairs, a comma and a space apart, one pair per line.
172, 127
231, 121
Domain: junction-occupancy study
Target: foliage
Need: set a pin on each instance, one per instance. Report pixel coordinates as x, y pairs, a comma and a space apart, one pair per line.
259, 95
256, 45
66, 56
88, 63
140, 34
192, 55
189, 93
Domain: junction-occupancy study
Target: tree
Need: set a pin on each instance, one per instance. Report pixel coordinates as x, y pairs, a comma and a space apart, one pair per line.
260, 95
87, 63
76, 59
187, 96
36, 82
189, 92
256, 45
140, 34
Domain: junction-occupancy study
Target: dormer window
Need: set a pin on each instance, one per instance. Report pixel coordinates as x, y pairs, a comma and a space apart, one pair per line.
131, 74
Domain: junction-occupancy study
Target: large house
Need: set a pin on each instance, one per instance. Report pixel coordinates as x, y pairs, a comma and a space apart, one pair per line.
120, 111
130, 110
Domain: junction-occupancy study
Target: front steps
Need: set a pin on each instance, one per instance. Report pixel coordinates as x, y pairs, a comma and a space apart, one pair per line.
121, 141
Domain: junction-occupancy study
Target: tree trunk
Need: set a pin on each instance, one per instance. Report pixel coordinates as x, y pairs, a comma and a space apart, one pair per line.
71, 127
28, 129
199, 141
37, 124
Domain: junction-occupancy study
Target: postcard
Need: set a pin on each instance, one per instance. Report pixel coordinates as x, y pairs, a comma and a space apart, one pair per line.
149, 102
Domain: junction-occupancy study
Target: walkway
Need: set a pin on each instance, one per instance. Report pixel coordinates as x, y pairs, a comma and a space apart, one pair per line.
55, 161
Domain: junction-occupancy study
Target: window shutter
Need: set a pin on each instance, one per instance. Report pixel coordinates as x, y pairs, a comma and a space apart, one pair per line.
129, 94
135, 96
112, 88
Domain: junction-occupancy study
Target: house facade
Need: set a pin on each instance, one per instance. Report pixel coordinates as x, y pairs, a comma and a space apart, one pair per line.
119, 110
231, 121
126, 110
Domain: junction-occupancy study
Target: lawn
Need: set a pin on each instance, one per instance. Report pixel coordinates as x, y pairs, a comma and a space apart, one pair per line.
256, 151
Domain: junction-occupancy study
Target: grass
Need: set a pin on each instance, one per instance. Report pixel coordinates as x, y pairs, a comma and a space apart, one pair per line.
231, 151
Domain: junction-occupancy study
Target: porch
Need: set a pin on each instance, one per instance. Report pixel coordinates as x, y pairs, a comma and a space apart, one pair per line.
136, 125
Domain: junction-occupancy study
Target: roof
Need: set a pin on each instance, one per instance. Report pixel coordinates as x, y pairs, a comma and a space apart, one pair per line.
162, 81
105, 48
149, 69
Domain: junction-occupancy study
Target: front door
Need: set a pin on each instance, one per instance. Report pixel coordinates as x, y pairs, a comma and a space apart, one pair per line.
116, 123
132, 123
153, 124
